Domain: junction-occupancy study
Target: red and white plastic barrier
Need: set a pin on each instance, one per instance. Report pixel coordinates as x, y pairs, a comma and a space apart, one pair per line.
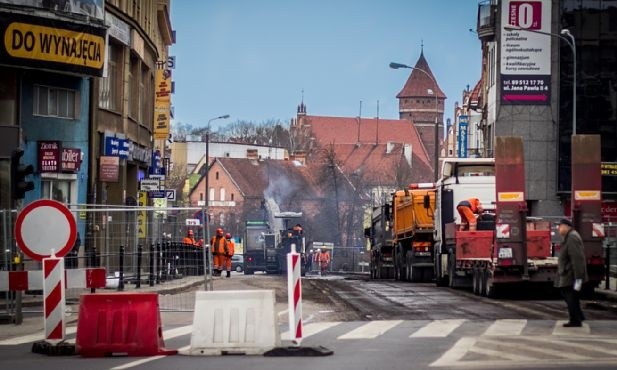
54, 303
85, 278
294, 295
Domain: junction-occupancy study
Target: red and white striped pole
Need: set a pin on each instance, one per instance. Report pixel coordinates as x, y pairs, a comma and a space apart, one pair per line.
54, 303
294, 295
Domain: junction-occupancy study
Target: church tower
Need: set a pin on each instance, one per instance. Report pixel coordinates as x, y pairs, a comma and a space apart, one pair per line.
417, 103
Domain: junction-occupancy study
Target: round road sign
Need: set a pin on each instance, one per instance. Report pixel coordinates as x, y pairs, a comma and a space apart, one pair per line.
45, 225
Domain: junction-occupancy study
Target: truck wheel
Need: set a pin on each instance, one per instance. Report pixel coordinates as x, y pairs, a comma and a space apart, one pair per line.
477, 282
483, 282
416, 274
491, 289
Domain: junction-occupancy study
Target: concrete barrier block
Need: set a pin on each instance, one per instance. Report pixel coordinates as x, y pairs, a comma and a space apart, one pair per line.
234, 322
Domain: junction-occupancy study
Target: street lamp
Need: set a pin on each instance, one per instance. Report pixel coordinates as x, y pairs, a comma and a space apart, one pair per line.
436, 154
566, 36
204, 209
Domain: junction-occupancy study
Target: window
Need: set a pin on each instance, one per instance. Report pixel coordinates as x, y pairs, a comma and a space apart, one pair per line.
55, 102
222, 193
232, 197
59, 190
211, 194
109, 92
201, 197
134, 84
217, 175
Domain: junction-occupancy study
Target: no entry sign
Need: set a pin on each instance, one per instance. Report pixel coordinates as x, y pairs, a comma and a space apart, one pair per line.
45, 225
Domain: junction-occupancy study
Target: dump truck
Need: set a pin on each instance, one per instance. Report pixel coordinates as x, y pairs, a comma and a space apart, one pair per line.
401, 235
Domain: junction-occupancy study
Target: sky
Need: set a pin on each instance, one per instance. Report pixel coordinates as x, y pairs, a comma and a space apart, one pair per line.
252, 59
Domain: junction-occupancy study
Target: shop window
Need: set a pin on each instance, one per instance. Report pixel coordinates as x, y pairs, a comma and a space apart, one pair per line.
55, 102
59, 190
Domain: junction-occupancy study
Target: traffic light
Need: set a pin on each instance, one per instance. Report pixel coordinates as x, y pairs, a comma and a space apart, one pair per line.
19, 184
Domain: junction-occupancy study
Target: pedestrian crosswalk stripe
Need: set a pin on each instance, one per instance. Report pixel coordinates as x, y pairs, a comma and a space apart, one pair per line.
500, 354
371, 329
438, 328
312, 329
560, 330
506, 327
577, 345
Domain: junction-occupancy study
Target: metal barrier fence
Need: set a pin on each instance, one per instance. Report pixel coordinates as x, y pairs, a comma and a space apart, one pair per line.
142, 249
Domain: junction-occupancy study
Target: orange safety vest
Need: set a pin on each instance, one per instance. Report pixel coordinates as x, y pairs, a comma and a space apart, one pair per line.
231, 248
188, 240
472, 203
219, 246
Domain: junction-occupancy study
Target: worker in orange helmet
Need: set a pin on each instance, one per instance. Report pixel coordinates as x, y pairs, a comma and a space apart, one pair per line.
324, 261
219, 251
469, 209
231, 246
189, 239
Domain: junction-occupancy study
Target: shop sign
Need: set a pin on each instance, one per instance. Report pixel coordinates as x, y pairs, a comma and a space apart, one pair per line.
109, 168
49, 156
71, 159
51, 44
116, 147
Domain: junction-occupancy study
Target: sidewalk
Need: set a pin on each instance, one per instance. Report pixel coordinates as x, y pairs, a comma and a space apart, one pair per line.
611, 293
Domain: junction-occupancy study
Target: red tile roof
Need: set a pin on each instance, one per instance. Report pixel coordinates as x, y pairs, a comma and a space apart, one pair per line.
475, 97
419, 84
380, 167
367, 132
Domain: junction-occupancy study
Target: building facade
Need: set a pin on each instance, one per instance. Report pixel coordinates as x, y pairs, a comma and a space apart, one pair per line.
527, 82
49, 57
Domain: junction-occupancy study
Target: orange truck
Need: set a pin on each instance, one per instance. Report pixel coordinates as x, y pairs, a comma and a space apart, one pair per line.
401, 235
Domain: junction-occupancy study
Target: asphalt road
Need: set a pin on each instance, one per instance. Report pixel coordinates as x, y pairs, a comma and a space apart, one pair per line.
390, 325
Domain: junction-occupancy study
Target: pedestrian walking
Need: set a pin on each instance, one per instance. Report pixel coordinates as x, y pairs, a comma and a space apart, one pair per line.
571, 272
219, 251
309, 262
324, 261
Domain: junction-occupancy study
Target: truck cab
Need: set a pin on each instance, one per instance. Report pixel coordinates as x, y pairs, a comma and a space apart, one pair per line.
461, 179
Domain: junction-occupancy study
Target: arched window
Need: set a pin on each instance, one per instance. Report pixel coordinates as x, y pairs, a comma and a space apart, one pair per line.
211, 194
222, 194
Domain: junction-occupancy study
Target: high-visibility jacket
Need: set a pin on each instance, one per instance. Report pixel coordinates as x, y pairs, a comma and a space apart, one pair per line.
188, 240
231, 248
324, 258
472, 203
220, 247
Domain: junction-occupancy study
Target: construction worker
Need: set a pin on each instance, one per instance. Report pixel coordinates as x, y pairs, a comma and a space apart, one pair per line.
189, 239
324, 261
231, 246
469, 209
219, 251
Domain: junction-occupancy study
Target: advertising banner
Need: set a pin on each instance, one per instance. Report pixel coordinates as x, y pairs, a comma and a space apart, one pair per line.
52, 44
463, 128
71, 159
142, 217
162, 104
49, 156
116, 147
525, 55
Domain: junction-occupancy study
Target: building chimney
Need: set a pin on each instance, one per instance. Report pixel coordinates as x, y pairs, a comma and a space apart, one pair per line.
389, 147
407, 153
252, 154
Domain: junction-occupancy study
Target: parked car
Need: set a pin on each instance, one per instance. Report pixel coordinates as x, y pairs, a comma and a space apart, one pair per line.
237, 263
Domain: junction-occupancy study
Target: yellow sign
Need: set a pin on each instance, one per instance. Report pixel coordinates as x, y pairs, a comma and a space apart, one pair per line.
142, 217
162, 104
587, 195
35, 42
515, 196
609, 169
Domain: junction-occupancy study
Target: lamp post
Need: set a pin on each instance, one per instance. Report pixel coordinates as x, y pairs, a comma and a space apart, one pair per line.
204, 211
436, 154
566, 36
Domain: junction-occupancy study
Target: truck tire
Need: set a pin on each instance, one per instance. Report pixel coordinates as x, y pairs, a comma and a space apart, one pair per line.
477, 282
490, 288
454, 281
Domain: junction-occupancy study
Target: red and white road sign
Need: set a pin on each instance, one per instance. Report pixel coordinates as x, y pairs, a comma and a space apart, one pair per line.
44, 226
597, 230
294, 295
54, 302
503, 231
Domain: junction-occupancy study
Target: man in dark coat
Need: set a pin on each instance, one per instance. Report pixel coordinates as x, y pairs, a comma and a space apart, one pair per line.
571, 272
